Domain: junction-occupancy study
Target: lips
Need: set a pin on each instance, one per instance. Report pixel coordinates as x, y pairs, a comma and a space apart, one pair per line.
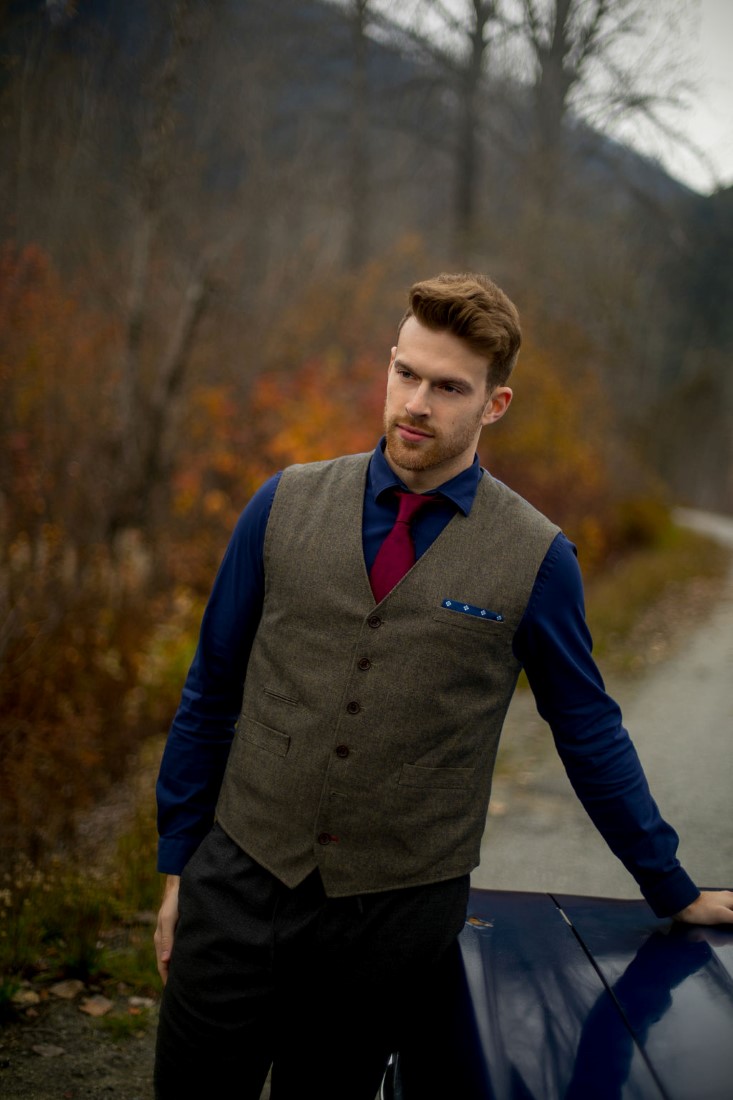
411, 434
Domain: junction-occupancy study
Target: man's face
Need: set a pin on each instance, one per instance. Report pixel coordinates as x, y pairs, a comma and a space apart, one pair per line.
437, 403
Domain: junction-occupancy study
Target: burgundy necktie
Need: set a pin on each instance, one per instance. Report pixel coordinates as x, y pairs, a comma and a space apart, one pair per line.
397, 553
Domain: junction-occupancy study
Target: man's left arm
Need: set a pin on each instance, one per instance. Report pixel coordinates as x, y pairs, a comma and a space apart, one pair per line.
554, 645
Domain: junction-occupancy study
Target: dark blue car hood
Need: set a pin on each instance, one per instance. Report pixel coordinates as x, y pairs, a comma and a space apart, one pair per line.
577, 998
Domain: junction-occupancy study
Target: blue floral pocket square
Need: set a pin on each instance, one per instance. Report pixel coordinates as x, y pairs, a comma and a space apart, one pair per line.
468, 609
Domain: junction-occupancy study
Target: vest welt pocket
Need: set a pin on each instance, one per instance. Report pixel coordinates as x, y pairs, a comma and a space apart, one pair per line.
280, 698
489, 628
264, 737
412, 775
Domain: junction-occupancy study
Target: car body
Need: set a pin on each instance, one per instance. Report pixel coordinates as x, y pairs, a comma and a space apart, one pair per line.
557, 996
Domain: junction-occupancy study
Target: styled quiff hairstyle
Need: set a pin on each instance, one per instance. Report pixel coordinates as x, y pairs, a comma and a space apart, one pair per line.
476, 311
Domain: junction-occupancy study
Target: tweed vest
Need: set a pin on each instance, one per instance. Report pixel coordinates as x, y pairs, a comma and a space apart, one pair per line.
368, 732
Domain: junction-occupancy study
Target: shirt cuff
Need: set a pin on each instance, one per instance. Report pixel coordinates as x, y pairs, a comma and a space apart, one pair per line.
674, 893
174, 853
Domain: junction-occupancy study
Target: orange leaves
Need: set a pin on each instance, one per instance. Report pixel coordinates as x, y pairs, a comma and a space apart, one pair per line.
66, 627
323, 392
327, 407
559, 448
551, 448
52, 412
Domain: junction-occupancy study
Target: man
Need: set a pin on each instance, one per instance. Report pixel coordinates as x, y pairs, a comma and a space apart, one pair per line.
349, 805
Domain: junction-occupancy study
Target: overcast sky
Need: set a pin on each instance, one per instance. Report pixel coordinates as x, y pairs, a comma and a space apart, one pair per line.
710, 121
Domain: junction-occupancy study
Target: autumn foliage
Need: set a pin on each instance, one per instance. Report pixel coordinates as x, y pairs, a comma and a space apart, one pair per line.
62, 622
97, 623
560, 448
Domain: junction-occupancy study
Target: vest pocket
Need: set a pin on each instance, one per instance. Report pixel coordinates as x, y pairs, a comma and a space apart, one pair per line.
264, 737
489, 628
280, 698
412, 775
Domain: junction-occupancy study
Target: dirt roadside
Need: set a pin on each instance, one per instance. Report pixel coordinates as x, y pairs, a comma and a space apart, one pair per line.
62, 1054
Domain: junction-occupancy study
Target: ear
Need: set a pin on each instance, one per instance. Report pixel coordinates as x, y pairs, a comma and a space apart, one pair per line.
391, 359
497, 405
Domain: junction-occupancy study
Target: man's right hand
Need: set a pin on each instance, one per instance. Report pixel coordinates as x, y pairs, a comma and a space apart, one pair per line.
166, 927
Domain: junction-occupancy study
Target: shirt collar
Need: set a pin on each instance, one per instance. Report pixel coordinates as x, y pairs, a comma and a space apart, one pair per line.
461, 489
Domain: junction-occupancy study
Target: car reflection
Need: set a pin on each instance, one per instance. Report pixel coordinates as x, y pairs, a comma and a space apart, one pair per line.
570, 998
643, 994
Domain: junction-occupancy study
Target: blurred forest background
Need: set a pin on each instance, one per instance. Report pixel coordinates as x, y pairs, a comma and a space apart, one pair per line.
209, 217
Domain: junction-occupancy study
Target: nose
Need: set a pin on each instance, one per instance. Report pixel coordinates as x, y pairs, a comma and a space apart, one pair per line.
419, 405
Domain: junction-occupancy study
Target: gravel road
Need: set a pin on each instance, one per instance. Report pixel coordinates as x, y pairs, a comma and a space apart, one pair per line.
680, 717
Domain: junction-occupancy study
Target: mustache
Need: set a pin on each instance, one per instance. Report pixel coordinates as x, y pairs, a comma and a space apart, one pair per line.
408, 422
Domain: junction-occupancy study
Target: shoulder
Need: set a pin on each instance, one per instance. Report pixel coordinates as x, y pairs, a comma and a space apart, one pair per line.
249, 531
331, 470
504, 503
560, 573
328, 465
257, 510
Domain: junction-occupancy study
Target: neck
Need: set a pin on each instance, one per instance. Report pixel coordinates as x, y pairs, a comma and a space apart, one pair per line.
425, 480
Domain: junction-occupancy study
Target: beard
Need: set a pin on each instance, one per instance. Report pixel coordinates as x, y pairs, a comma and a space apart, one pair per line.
429, 453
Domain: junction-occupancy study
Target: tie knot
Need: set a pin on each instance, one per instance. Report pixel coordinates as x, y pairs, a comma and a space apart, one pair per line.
410, 504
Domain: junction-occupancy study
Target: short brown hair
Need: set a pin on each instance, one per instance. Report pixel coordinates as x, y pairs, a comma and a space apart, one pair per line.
474, 309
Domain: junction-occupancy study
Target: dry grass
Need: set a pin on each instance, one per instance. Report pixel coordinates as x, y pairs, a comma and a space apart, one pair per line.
640, 610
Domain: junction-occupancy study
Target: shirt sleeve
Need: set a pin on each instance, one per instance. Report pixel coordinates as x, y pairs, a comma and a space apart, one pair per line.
200, 737
554, 645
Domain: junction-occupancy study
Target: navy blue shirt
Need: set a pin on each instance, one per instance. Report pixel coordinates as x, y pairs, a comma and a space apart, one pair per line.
552, 644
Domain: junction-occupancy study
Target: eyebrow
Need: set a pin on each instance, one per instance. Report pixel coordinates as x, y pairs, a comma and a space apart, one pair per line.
463, 383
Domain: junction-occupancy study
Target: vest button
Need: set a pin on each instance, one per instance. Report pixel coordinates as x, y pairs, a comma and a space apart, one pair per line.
364, 663
374, 621
324, 838
353, 707
342, 751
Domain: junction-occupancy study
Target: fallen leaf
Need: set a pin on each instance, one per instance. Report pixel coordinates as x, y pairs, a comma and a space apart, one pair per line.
46, 1050
26, 997
67, 990
96, 1006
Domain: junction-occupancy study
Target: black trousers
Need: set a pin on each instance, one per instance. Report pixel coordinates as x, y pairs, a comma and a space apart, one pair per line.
321, 989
